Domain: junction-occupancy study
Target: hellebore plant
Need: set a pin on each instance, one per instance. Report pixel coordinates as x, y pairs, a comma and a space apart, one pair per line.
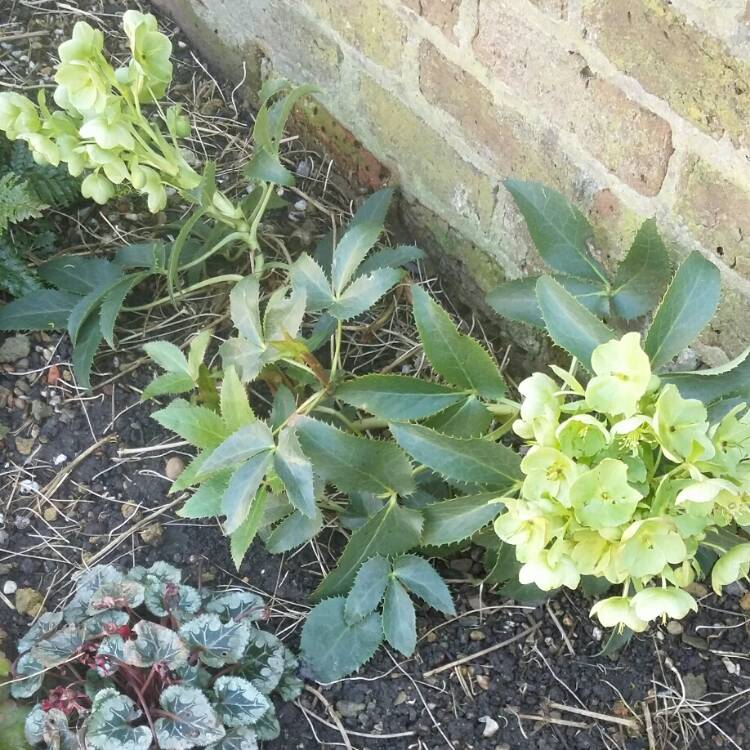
141, 661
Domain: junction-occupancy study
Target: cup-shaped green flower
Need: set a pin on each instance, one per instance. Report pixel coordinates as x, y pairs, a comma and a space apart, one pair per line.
622, 374
582, 436
731, 566
43, 149
707, 490
648, 545
681, 427
524, 526
540, 409
731, 438
97, 187
109, 130
150, 69
602, 497
18, 115
549, 473
652, 603
85, 45
618, 612
550, 569
594, 553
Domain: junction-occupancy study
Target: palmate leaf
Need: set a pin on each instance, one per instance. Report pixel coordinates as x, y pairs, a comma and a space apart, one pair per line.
44, 309
112, 302
235, 406
263, 661
397, 396
467, 418
196, 424
241, 445
241, 539
331, 647
391, 531
354, 464
417, 575
87, 343
559, 230
388, 257
364, 292
171, 383
168, 357
472, 461
688, 305
731, 380
458, 358
217, 643
449, 521
307, 274
192, 721
643, 275
238, 702
399, 619
110, 724
79, 274
242, 490
244, 306
293, 531
368, 589
296, 472
570, 325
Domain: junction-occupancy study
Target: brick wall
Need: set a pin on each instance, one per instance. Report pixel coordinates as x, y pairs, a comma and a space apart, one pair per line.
633, 108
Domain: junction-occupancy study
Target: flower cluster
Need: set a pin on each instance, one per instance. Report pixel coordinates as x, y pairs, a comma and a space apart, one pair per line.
100, 129
624, 480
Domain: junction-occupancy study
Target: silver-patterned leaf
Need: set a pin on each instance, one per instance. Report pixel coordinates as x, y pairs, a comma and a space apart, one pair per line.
116, 595
159, 571
192, 721
217, 643
59, 646
105, 623
165, 597
263, 662
86, 585
239, 702
290, 686
237, 605
109, 726
239, 738
155, 644
56, 732
194, 675
44, 625
33, 727
267, 728
31, 668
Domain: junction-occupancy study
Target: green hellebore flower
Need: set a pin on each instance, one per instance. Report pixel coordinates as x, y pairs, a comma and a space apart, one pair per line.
43, 149
72, 154
148, 181
593, 555
549, 570
730, 567
18, 115
83, 87
731, 438
648, 545
84, 45
602, 497
622, 374
109, 130
151, 51
520, 526
177, 123
681, 427
618, 611
97, 187
706, 491
549, 473
582, 435
540, 409
663, 602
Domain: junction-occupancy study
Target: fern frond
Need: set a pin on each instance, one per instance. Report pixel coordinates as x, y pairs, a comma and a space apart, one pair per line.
17, 201
16, 277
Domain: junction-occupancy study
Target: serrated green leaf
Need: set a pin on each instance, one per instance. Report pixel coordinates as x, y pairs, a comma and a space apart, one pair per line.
397, 396
359, 237
112, 302
241, 445
242, 538
459, 359
237, 738
331, 647
643, 275
190, 719
467, 418
368, 588
569, 324
306, 274
169, 383
449, 521
43, 309
391, 531
235, 406
354, 464
187, 475
296, 529
295, 471
688, 305
284, 312
242, 490
89, 338
265, 167
399, 619
731, 380
263, 660
205, 502
238, 702
364, 292
196, 424
217, 643
110, 724
197, 352
470, 460
395, 257
167, 356
244, 306
559, 230
79, 274
423, 580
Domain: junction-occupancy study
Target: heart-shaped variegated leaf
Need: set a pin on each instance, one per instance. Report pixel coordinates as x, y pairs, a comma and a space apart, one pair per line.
263, 662
116, 595
110, 724
45, 624
194, 675
290, 686
191, 720
33, 670
59, 646
56, 732
159, 571
267, 728
239, 702
164, 597
33, 727
239, 738
216, 642
237, 605
104, 623
155, 644
86, 585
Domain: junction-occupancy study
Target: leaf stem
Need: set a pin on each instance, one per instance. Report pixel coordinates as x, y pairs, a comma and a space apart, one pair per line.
229, 277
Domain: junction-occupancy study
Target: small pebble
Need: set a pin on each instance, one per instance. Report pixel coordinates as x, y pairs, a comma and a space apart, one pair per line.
491, 727
10, 587
174, 467
674, 627
60, 458
477, 635
50, 514
745, 601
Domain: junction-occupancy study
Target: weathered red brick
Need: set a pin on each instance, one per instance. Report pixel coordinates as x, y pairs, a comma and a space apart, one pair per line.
440, 13
631, 141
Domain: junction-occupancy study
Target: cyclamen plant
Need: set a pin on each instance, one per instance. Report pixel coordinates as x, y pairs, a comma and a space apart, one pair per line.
141, 661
